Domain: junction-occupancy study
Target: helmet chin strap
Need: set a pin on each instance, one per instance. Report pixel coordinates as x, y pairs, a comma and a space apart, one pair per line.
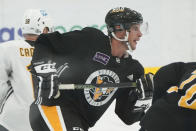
124, 40
129, 51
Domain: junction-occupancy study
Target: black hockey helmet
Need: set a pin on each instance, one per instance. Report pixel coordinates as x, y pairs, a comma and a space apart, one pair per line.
121, 18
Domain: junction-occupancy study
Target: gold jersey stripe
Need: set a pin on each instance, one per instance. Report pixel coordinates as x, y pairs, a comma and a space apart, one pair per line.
31, 77
151, 69
192, 77
52, 116
172, 89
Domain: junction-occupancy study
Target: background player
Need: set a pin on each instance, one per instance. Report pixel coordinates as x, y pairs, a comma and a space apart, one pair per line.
15, 81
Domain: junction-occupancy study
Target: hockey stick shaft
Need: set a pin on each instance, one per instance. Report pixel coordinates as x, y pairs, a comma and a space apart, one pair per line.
90, 86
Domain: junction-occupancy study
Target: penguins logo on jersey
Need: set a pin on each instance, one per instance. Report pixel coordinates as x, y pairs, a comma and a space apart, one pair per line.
100, 96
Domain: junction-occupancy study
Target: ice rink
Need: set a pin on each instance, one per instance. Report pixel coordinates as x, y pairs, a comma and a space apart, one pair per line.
171, 36
110, 122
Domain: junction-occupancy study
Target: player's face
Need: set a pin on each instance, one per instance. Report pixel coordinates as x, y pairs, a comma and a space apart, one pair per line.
134, 35
46, 30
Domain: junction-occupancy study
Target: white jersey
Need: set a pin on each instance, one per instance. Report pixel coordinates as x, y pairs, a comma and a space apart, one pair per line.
15, 98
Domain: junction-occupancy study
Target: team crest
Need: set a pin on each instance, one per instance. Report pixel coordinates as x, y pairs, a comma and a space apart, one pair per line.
100, 96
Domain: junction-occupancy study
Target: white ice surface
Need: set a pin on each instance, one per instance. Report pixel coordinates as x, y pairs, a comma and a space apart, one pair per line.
110, 122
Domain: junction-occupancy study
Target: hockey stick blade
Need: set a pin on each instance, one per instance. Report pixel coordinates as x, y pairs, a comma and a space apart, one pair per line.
106, 85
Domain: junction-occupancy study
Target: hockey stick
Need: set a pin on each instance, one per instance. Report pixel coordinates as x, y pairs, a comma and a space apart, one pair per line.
90, 86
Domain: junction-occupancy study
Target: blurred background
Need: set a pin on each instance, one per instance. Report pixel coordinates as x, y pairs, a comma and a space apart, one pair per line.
171, 36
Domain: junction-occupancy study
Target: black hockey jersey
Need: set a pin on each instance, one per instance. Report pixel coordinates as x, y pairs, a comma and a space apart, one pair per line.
86, 58
174, 100
168, 76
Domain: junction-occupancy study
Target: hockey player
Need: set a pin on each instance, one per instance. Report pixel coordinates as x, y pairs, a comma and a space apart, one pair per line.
16, 92
174, 101
88, 57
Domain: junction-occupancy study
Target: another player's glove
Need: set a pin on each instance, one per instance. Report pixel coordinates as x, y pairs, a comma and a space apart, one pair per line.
145, 86
48, 83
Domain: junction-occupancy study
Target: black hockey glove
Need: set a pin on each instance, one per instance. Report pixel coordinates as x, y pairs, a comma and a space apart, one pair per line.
139, 105
145, 86
48, 84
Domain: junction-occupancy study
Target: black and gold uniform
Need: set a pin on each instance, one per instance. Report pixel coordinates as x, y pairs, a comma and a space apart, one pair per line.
86, 58
174, 99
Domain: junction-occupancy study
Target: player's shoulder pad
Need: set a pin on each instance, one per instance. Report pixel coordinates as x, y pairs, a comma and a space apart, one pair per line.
90, 29
93, 31
49, 38
190, 65
170, 72
13, 44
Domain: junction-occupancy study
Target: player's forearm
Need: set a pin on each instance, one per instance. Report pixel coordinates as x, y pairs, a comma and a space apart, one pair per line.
129, 116
125, 110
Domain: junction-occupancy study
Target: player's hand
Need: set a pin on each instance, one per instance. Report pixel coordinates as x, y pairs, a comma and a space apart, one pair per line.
142, 105
48, 83
138, 105
145, 86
